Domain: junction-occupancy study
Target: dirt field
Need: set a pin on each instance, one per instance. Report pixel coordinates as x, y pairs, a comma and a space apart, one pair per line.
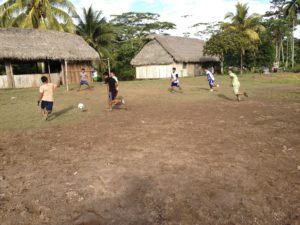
170, 159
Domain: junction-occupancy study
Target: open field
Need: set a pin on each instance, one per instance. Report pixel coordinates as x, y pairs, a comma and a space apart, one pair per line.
169, 159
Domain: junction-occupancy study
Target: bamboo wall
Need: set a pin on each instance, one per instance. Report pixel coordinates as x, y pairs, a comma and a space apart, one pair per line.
163, 71
74, 70
3, 81
29, 80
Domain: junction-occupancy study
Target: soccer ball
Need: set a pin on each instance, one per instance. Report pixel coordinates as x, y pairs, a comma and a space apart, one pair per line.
80, 106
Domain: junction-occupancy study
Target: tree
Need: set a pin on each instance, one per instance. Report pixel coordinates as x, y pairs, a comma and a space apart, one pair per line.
292, 11
247, 27
96, 31
132, 30
219, 44
40, 14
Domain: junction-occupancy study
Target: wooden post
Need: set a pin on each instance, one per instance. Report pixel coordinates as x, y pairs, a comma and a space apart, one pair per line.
66, 69
63, 73
49, 72
9, 74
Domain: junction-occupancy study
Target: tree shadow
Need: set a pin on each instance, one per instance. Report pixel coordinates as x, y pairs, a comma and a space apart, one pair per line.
225, 97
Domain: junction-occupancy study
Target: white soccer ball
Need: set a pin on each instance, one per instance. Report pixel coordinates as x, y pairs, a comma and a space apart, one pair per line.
80, 105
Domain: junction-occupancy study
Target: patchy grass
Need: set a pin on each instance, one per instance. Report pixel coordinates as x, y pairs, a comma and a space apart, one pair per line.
18, 109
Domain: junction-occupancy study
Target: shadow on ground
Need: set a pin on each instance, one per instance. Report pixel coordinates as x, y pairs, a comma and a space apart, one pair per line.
224, 97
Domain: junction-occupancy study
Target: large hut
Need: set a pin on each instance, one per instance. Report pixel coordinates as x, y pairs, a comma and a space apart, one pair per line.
27, 54
162, 52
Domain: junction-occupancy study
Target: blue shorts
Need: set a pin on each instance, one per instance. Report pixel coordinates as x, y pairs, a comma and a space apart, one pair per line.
174, 84
47, 105
84, 82
211, 83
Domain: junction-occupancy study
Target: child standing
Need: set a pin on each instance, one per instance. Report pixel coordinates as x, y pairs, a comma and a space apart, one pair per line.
83, 79
236, 84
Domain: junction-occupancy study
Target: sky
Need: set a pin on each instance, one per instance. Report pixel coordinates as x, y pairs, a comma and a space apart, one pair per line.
184, 13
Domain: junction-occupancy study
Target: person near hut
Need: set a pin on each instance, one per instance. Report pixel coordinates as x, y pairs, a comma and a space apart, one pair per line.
83, 79
236, 85
211, 79
45, 98
174, 81
113, 75
112, 89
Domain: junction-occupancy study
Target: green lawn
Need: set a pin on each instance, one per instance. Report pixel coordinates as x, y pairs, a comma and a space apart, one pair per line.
18, 109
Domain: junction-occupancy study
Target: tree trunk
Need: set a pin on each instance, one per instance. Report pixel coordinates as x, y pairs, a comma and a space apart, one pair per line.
287, 53
282, 52
222, 63
241, 61
293, 44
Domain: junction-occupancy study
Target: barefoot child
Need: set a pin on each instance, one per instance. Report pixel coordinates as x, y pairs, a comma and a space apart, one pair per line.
236, 85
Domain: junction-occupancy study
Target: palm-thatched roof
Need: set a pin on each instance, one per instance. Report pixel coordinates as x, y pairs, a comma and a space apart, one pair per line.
34, 44
163, 49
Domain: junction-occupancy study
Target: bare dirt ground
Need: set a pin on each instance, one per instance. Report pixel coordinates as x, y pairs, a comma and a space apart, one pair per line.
160, 162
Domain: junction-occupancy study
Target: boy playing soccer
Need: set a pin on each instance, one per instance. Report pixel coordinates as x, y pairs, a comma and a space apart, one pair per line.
46, 97
112, 86
211, 79
236, 84
83, 79
174, 81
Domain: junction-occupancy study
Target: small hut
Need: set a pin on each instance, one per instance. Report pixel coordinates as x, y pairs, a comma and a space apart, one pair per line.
58, 55
162, 52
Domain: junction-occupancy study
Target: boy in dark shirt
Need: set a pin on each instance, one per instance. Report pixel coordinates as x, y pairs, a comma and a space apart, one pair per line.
112, 84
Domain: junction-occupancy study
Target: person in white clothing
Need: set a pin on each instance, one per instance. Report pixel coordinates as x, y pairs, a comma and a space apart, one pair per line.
174, 81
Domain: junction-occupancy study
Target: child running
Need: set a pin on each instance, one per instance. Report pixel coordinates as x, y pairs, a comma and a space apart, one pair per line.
112, 91
46, 97
174, 81
211, 79
236, 84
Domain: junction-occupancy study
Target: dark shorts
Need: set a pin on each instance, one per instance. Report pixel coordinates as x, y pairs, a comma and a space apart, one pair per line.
47, 105
84, 82
211, 83
112, 95
174, 84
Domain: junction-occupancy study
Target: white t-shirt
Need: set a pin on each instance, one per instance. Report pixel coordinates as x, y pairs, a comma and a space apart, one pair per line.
210, 75
83, 76
174, 77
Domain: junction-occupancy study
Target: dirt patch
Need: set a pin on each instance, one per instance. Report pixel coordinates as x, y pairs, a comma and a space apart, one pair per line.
200, 162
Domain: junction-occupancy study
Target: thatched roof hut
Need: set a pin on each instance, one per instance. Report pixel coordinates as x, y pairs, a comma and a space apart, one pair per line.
34, 44
178, 49
172, 51
69, 51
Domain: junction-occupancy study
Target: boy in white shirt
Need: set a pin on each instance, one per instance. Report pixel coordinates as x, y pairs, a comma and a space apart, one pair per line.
174, 81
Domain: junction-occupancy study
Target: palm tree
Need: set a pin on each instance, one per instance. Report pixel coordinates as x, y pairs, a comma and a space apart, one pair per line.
292, 10
96, 31
39, 14
248, 26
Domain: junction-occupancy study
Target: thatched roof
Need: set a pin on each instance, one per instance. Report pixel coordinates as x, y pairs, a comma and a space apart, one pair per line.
34, 44
178, 49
